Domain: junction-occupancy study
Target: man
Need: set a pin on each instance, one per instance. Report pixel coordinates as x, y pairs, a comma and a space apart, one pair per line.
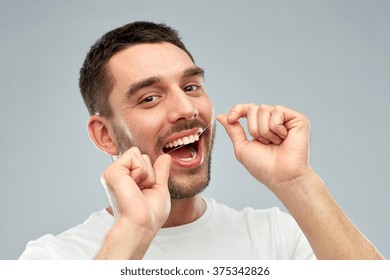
150, 111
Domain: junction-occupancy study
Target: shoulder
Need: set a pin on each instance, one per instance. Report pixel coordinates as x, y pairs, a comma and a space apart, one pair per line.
257, 222
79, 242
250, 215
269, 228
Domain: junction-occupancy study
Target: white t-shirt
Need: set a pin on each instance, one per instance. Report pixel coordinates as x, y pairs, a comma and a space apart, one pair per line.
220, 233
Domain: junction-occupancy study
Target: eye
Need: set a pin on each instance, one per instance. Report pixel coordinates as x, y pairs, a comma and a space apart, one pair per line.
150, 99
191, 88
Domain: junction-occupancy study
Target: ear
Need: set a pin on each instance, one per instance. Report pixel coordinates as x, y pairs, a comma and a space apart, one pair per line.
100, 131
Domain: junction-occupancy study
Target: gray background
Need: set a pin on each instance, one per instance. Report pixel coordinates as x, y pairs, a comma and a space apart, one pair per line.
327, 59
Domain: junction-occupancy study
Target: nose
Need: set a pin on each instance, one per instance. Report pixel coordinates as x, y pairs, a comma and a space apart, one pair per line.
181, 106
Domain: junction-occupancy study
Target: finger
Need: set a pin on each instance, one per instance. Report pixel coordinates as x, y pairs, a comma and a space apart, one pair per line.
236, 133
264, 116
150, 179
252, 121
238, 111
277, 122
158, 196
132, 160
293, 119
263, 140
258, 118
161, 168
119, 187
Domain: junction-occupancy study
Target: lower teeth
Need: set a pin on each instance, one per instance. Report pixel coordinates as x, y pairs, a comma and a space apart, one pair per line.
193, 155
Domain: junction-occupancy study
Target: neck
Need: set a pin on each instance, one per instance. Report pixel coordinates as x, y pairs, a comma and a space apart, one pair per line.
185, 211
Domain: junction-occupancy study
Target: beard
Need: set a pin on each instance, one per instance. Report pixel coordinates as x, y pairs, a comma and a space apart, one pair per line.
197, 179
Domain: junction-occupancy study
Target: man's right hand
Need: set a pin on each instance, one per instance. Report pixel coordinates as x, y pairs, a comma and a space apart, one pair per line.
140, 199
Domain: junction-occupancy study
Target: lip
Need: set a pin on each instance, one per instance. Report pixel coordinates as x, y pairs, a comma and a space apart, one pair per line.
195, 162
199, 156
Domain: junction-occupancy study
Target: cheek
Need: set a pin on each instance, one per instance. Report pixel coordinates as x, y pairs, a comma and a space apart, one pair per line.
145, 132
208, 108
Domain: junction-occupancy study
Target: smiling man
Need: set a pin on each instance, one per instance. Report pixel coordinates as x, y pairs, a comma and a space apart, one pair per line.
150, 111
159, 102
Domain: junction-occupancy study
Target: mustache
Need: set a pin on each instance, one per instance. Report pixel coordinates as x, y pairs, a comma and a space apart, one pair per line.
180, 126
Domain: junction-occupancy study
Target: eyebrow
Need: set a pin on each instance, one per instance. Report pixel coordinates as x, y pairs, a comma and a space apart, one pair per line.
142, 84
193, 71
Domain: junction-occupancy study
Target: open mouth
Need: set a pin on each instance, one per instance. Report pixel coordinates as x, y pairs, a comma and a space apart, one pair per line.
184, 148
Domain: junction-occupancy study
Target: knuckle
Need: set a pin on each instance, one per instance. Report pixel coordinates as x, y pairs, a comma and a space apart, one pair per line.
137, 176
143, 170
307, 122
278, 108
236, 108
304, 119
252, 107
273, 126
108, 175
146, 157
263, 107
135, 150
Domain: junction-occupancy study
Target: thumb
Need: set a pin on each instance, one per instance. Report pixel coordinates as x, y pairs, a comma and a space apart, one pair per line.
235, 131
161, 168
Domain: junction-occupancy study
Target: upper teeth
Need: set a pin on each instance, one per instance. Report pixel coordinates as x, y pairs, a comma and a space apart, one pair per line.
184, 141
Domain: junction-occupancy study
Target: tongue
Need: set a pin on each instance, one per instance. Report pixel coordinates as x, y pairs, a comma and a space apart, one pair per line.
186, 152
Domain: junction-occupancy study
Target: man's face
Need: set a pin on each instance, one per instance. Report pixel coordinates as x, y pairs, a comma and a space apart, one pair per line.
158, 102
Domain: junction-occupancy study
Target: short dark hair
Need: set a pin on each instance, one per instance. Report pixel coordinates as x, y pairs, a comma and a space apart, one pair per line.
96, 81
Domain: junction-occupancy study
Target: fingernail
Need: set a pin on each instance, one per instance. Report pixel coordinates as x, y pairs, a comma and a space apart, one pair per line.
232, 114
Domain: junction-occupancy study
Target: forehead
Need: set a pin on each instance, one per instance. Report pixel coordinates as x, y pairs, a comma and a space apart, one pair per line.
147, 60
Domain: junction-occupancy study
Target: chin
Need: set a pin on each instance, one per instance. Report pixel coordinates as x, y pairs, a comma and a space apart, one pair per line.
189, 185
